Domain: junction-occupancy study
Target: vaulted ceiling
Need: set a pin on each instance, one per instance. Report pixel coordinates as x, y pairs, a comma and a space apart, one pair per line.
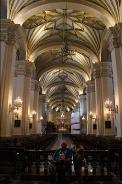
64, 39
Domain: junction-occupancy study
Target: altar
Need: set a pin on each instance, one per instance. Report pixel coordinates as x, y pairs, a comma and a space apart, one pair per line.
63, 125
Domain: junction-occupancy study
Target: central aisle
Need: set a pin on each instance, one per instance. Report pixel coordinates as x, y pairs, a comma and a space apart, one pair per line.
61, 138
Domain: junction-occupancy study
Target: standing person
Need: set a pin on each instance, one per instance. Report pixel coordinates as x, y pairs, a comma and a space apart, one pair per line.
78, 159
62, 158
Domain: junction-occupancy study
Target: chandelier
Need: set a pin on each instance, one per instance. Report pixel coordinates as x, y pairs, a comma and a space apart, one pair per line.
110, 106
17, 102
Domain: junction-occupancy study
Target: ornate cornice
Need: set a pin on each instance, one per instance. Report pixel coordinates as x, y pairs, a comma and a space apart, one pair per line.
8, 31
116, 36
20, 68
4, 24
12, 29
90, 88
103, 69
82, 96
37, 85
29, 69
42, 98
32, 85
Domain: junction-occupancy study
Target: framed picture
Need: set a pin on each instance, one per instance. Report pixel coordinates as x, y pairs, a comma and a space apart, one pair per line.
17, 123
107, 124
94, 126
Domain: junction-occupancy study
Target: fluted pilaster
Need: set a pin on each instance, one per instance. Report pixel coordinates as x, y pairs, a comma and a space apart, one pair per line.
115, 47
26, 98
91, 105
35, 106
42, 112
104, 90
83, 112
18, 90
8, 39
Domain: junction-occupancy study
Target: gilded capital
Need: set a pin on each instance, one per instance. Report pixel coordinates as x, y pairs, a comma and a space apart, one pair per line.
12, 29
8, 31
42, 98
90, 88
20, 68
4, 24
29, 69
96, 71
117, 35
32, 85
37, 86
106, 69
103, 69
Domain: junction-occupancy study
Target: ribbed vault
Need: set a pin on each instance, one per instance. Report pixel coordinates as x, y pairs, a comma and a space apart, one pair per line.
76, 26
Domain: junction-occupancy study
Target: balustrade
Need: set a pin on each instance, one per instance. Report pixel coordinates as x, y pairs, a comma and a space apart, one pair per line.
98, 163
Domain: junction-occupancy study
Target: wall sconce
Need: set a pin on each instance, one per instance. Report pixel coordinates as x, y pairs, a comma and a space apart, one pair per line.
34, 112
16, 113
92, 115
41, 118
83, 118
17, 104
110, 107
108, 114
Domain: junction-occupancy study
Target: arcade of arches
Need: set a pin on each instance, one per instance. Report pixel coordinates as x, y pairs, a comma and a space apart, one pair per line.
61, 63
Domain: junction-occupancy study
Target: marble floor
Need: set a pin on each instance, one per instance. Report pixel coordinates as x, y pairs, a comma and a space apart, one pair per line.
74, 182
57, 143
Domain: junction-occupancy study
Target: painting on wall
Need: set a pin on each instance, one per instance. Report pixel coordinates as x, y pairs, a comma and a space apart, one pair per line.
17, 123
107, 124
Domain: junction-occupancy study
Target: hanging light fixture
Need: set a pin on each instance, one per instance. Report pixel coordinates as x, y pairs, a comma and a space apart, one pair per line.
65, 53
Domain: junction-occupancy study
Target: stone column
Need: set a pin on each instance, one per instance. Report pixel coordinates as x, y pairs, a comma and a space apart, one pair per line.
50, 114
8, 65
41, 113
26, 98
3, 38
31, 117
18, 90
82, 100
91, 107
116, 55
104, 90
35, 106
75, 120
83, 113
